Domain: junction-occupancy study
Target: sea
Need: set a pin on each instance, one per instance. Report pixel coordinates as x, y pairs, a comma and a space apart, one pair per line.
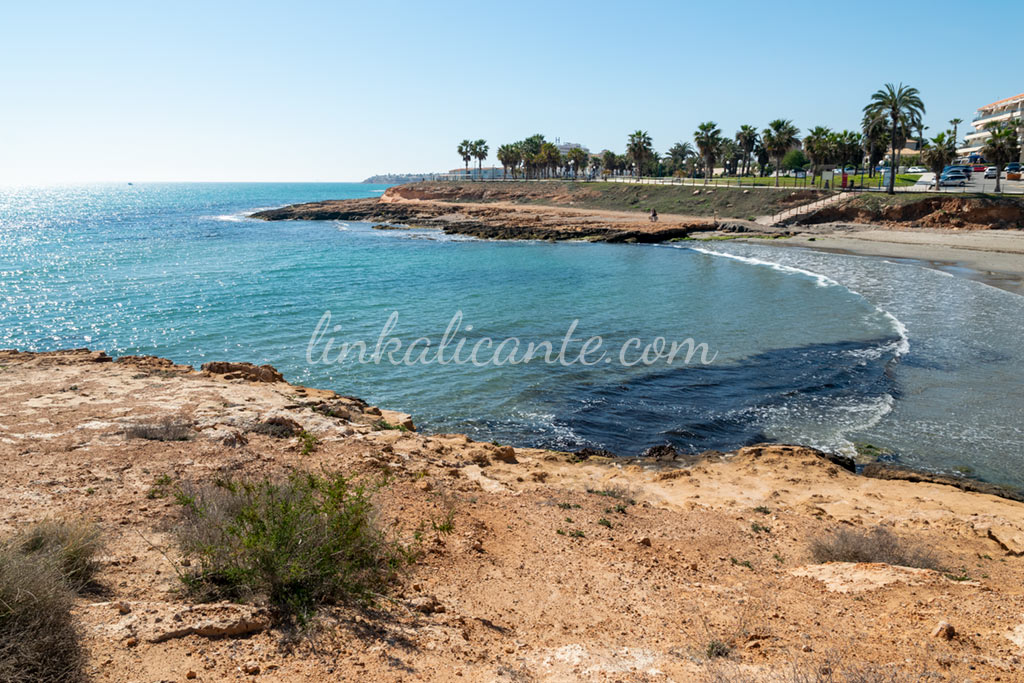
835, 351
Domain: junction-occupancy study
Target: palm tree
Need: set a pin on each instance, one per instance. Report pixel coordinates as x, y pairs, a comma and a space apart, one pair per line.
596, 162
466, 152
638, 149
903, 107
955, 123
480, 150
938, 155
746, 136
576, 158
508, 155
778, 138
1001, 147
679, 153
708, 138
817, 144
608, 161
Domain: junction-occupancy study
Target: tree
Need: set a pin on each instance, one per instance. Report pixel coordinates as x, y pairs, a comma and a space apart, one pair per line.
778, 138
708, 138
747, 138
466, 152
903, 108
596, 162
578, 159
795, 160
849, 149
678, 155
1001, 147
480, 151
819, 145
638, 150
528, 150
508, 155
763, 158
955, 123
938, 155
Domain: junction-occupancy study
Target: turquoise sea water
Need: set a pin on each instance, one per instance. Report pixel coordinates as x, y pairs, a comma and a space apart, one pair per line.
813, 348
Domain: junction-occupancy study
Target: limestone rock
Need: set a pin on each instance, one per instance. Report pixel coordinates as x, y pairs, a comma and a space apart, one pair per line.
944, 630
247, 371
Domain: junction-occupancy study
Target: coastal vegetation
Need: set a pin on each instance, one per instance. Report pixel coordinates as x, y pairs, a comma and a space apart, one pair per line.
893, 117
293, 544
41, 571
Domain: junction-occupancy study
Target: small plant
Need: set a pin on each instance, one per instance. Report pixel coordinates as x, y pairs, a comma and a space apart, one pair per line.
309, 442
577, 533
874, 545
569, 506
167, 429
778, 558
160, 487
383, 424
760, 528
296, 543
761, 509
604, 522
560, 532
716, 649
741, 563
568, 520
960, 575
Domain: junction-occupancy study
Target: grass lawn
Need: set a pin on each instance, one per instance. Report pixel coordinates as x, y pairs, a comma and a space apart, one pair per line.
902, 180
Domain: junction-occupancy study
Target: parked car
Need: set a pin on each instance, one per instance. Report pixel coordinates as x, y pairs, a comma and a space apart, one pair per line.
1013, 167
953, 180
917, 169
979, 168
991, 172
967, 170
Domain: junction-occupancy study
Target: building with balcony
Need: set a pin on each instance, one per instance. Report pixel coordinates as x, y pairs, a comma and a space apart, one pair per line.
1010, 110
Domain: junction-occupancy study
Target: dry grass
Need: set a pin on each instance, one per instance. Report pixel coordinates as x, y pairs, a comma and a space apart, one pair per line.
40, 570
166, 429
70, 547
872, 545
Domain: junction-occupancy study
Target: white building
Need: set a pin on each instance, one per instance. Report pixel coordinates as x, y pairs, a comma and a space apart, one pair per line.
564, 147
1009, 110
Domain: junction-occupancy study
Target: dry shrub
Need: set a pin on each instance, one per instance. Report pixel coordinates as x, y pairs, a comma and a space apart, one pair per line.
39, 571
70, 547
873, 545
833, 667
166, 429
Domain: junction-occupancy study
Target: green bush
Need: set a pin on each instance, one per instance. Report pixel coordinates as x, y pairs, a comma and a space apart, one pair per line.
293, 544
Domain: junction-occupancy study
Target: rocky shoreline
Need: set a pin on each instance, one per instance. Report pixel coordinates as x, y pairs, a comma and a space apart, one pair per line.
556, 565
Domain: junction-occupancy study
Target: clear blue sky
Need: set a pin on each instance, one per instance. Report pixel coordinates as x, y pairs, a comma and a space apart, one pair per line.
337, 91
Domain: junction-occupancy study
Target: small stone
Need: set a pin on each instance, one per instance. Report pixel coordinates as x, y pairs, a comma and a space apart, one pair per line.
123, 607
427, 604
645, 540
251, 668
131, 642
807, 648
753, 645
944, 630
190, 675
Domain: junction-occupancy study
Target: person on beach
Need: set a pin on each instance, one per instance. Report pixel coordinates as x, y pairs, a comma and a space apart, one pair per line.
654, 215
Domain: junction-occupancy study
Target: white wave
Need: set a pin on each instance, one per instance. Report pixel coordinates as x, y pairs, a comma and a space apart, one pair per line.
340, 225
899, 348
822, 280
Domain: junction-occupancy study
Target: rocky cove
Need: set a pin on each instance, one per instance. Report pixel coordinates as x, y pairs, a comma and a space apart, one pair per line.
557, 565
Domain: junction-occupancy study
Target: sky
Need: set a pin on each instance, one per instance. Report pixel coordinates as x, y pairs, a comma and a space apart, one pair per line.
337, 91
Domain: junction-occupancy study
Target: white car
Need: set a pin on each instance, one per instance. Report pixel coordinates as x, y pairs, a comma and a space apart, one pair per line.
917, 169
991, 172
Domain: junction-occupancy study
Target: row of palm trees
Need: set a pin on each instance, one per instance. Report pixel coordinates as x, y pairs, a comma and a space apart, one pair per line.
473, 149
892, 116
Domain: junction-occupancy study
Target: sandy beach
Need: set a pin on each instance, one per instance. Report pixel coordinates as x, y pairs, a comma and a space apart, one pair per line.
990, 256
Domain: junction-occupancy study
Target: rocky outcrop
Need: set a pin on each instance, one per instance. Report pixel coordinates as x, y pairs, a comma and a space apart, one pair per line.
879, 470
247, 371
936, 211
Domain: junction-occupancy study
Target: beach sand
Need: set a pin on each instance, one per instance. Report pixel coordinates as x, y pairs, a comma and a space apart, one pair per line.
993, 257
